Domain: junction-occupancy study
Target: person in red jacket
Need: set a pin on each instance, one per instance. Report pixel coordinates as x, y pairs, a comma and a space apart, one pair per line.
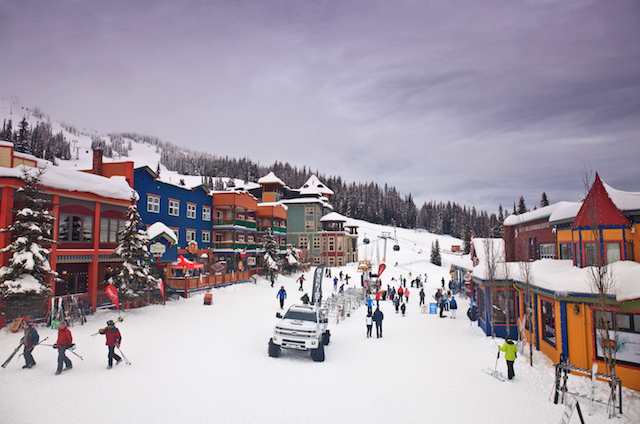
65, 341
113, 341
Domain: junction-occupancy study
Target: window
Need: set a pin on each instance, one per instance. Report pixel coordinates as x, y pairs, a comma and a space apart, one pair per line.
316, 243
629, 251
613, 252
206, 237
206, 213
332, 242
153, 204
191, 235
241, 238
566, 252
109, 229
304, 242
627, 328
174, 208
219, 237
75, 228
590, 254
308, 225
547, 251
308, 210
191, 211
219, 214
505, 305
250, 238
548, 322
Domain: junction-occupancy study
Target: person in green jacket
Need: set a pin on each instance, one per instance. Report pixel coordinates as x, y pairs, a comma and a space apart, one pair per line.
510, 349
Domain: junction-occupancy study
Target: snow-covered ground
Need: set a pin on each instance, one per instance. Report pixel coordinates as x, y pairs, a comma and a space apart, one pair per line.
199, 364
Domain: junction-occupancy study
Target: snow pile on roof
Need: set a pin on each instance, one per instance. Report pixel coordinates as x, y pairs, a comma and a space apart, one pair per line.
314, 186
624, 200
271, 178
558, 211
55, 177
158, 229
333, 216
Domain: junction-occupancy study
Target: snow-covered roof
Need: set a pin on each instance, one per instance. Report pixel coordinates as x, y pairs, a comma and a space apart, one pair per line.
333, 216
624, 200
55, 177
158, 229
302, 200
314, 186
273, 204
544, 212
271, 178
481, 246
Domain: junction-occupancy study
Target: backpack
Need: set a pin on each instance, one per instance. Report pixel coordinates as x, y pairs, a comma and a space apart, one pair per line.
35, 335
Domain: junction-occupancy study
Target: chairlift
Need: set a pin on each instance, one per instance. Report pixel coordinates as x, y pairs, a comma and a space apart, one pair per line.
396, 247
366, 240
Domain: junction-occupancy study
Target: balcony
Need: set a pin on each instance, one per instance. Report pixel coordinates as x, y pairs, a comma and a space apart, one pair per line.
233, 223
231, 245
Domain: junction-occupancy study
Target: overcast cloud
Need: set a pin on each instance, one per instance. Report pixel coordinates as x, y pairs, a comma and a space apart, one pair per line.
477, 102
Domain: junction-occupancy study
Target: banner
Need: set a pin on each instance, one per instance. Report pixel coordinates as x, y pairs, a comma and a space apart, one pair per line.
316, 295
381, 268
113, 294
161, 286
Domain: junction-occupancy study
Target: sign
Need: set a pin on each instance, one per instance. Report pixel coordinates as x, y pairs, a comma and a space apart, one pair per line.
251, 261
113, 294
467, 276
193, 247
157, 249
571, 404
161, 286
218, 267
433, 308
316, 295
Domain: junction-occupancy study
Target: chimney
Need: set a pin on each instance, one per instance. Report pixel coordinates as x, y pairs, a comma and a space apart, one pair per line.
97, 161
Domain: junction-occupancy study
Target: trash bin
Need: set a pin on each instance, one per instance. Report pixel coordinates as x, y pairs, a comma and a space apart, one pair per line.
207, 298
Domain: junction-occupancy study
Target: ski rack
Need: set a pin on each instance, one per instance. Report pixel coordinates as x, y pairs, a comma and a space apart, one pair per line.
566, 369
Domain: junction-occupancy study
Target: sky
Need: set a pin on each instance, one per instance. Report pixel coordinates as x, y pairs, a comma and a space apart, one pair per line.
474, 102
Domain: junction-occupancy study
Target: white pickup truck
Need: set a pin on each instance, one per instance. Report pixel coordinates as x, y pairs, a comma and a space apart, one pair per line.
303, 327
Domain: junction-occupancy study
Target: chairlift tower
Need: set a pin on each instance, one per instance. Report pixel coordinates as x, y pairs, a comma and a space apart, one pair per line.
385, 235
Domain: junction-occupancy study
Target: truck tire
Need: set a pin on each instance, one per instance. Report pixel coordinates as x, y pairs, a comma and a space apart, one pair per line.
318, 354
326, 337
274, 349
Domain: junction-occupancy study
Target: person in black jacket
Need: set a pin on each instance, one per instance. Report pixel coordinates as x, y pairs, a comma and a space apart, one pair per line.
378, 316
30, 340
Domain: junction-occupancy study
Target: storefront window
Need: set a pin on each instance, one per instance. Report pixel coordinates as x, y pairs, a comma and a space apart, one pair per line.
548, 322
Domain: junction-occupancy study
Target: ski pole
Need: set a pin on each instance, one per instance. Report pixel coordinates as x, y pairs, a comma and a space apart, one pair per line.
498, 357
32, 347
126, 361
82, 359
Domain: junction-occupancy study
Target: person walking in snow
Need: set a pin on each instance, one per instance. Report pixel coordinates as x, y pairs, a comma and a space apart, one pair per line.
346, 278
453, 305
301, 280
30, 340
65, 341
400, 293
113, 340
378, 316
305, 299
369, 305
335, 284
510, 349
422, 295
441, 302
406, 295
403, 308
282, 295
369, 321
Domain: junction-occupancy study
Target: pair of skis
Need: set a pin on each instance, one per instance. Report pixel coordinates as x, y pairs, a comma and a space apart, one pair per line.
494, 372
16, 351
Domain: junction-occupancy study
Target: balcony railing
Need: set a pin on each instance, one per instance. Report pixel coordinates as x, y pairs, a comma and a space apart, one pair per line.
230, 222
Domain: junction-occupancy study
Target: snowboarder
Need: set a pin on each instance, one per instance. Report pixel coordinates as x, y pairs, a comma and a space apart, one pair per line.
378, 316
369, 321
453, 305
282, 295
510, 349
65, 341
30, 340
305, 299
113, 340
301, 280
422, 296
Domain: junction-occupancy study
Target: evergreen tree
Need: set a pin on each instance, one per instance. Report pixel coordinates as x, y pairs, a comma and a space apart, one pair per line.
270, 256
435, 253
132, 279
544, 201
22, 140
522, 207
7, 131
467, 240
24, 281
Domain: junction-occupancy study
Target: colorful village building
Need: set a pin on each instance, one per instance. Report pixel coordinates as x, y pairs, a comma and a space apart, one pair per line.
89, 210
551, 254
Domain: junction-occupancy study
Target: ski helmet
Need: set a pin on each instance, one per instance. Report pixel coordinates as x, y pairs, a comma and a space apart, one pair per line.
109, 322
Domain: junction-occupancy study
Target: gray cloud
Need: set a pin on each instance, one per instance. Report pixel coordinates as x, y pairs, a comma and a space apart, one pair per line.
474, 102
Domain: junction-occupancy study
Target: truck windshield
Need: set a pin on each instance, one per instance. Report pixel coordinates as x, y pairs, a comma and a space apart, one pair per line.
301, 316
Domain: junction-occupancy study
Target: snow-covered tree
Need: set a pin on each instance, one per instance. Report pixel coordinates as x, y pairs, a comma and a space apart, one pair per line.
132, 278
435, 253
25, 279
270, 256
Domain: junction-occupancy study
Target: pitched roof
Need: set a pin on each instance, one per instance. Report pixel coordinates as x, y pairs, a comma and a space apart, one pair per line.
598, 206
271, 178
314, 186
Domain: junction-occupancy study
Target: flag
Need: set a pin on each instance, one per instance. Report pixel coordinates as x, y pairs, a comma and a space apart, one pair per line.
243, 253
316, 294
381, 268
161, 287
113, 294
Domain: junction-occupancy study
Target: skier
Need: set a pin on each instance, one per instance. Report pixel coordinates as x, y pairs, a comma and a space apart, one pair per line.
65, 341
335, 284
341, 275
113, 341
305, 299
422, 296
400, 293
406, 295
301, 280
346, 278
282, 295
403, 308
369, 305
510, 349
30, 340
378, 316
453, 305
369, 321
